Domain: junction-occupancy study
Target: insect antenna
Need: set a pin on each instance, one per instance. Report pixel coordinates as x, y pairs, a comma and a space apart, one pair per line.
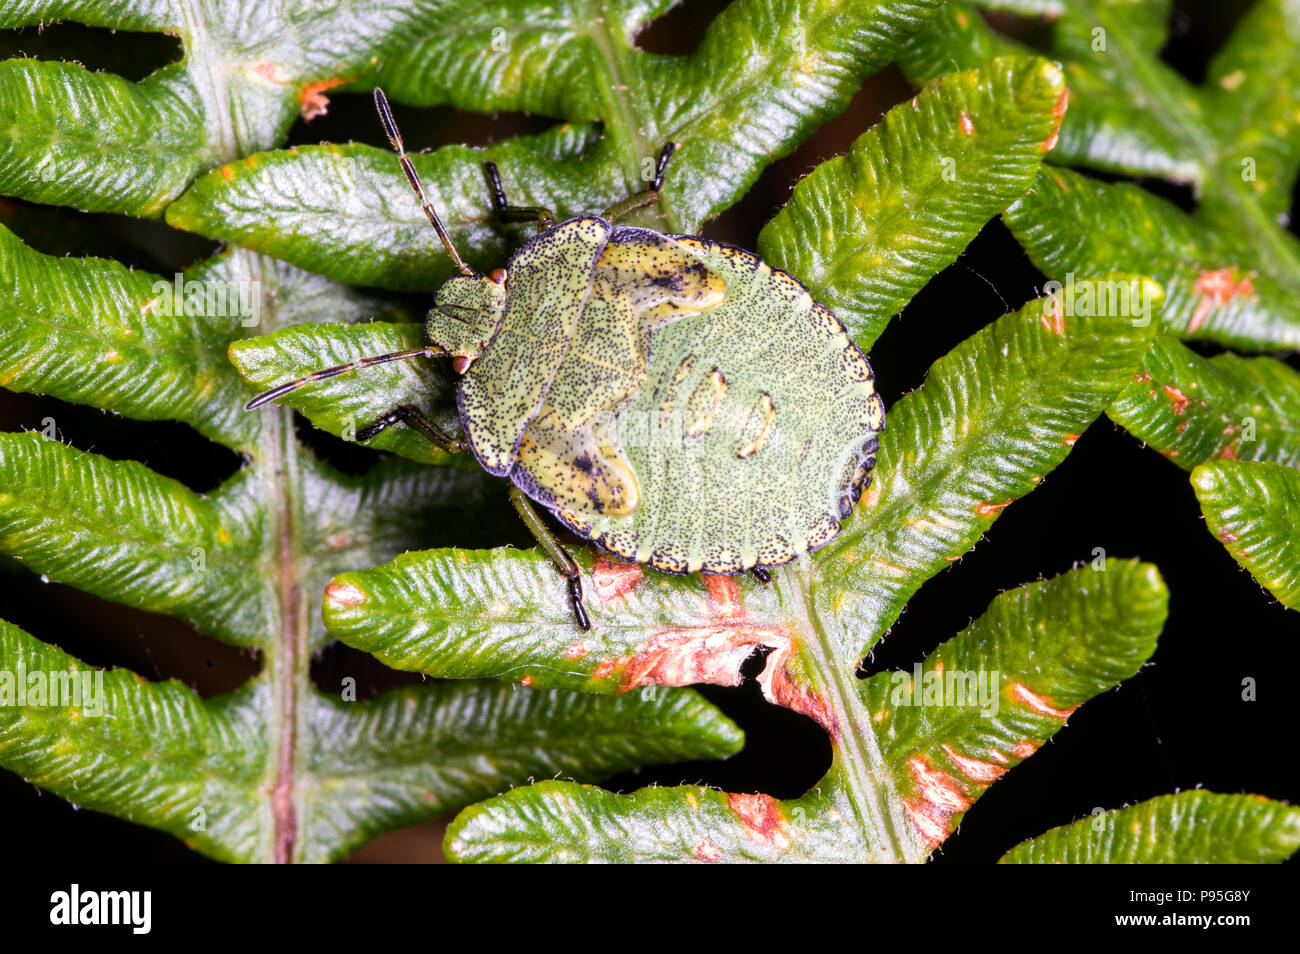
266, 397
395, 137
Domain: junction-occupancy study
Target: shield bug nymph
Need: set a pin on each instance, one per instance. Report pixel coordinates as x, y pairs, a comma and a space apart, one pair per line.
672, 399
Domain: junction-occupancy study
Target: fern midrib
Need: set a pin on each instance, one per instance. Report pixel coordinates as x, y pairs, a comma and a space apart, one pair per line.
859, 769
210, 84
277, 479
626, 111
277, 461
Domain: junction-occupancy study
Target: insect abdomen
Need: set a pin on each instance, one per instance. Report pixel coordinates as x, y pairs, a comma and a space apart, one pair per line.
765, 421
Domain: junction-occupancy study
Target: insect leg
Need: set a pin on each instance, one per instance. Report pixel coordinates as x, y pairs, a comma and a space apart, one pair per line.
515, 213
646, 196
416, 420
559, 556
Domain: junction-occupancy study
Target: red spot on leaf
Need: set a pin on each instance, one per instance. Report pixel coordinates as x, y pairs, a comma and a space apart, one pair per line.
1179, 399
991, 509
314, 101
708, 852
577, 650
1227, 536
724, 595
612, 579
1229, 452
605, 669
1054, 323
1024, 748
1058, 113
967, 125
1142, 377
269, 71
1217, 287
526, 681
762, 818
975, 769
343, 594
1069, 439
1040, 704
227, 173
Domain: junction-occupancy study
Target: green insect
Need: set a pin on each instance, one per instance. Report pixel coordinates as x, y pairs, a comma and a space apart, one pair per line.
672, 399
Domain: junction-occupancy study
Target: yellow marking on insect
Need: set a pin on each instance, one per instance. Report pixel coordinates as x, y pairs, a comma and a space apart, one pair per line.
768, 412
711, 390
683, 369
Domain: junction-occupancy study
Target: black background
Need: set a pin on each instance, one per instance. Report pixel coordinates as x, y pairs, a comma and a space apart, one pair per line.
1180, 723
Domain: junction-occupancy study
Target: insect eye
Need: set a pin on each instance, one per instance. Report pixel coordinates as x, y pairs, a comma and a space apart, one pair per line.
498, 276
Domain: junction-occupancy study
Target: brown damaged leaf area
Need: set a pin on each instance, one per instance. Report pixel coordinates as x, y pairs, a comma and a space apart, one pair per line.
1217, 287
713, 653
708, 852
343, 594
313, 99
612, 579
1039, 704
992, 509
1177, 398
1053, 319
940, 795
1058, 114
761, 815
